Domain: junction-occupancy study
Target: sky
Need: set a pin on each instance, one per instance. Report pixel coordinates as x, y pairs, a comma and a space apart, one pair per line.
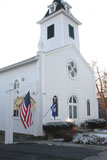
19, 32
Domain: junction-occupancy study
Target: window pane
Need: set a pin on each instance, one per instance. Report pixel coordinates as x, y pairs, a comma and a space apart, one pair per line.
16, 113
71, 31
74, 111
69, 68
16, 84
72, 74
52, 9
88, 108
55, 100
50, 31
75, 70
70, 101
70, 112
74, 100
72, 64
67, 9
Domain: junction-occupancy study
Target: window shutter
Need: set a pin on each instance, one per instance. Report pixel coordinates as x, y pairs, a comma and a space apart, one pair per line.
71, 31
50, 31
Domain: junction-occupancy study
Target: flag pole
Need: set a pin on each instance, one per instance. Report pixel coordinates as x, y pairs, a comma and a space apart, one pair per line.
47, 112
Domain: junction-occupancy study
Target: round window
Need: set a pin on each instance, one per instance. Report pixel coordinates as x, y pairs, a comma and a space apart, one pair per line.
72, 69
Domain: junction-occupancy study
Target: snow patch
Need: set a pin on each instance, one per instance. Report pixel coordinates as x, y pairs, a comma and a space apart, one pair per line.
90, 138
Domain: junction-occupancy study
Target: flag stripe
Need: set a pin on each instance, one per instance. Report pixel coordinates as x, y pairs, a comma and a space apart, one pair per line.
25, 112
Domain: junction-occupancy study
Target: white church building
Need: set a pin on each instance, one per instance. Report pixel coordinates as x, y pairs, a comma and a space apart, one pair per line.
58, 73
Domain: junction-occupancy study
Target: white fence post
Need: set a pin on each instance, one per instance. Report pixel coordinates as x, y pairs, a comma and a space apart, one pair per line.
9, 118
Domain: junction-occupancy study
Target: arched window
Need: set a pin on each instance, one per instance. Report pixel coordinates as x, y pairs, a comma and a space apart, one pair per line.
16, 113
55, 100
16, 84
73, 107
88, 107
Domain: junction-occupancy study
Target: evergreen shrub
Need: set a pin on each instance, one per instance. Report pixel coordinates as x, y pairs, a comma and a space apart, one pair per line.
58, 125
65, 130
94, 124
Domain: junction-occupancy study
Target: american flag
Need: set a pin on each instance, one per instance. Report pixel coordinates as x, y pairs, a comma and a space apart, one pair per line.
25, 111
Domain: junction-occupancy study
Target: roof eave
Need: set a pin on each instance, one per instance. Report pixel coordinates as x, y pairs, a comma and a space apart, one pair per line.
57, 13
32, 59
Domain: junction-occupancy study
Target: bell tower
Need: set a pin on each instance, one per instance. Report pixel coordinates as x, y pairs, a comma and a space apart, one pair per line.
59, 27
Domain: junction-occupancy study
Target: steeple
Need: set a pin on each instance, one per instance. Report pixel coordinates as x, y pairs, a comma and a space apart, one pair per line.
54, 7
59, 27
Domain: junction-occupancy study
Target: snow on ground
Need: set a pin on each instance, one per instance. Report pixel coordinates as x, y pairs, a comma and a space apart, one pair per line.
101, 131
97, 137
100, 135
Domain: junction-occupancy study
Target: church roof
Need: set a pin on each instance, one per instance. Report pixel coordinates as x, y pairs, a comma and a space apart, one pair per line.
60, 5
21, 63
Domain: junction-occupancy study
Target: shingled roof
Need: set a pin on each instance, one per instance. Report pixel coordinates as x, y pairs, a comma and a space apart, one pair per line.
59, 6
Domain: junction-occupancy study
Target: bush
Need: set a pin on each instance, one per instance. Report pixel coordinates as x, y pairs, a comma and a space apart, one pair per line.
60, 130
57, 125
94, 123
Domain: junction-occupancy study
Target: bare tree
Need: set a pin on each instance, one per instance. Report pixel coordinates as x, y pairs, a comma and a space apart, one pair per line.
101, 84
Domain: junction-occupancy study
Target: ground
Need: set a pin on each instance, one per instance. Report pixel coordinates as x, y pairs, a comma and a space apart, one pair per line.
26, 148
48, 150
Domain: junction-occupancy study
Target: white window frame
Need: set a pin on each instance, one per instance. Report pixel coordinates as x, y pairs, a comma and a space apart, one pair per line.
69, 72
72, 104
52, 7
88, 113
16, 116
67, 7
16, 84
